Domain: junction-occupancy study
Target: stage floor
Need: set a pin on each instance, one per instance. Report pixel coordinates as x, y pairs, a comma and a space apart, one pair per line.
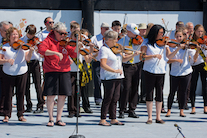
35, 127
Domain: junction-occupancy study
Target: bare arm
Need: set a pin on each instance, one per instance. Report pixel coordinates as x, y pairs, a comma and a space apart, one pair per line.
3, 60
195, 57
147, 57
28, 55
175, 60
128, 57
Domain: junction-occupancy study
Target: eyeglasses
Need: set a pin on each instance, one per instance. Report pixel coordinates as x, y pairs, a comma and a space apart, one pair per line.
50, 22
61, 33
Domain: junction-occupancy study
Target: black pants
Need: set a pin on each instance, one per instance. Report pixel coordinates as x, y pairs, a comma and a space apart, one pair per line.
154, 81
97, 81
131, 83
111, 96
198, 69
72, 100
2, 93
34, 68
9, 83
143, 91
179, 84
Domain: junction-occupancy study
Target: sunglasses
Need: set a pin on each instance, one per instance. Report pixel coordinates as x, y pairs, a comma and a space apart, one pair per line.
61, 33
50, 22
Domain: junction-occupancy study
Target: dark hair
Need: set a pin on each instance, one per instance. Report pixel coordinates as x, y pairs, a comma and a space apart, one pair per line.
30, 29
152, 35
116, 23
46, 19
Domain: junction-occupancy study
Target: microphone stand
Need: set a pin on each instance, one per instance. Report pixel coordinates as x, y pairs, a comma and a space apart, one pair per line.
78, 91
179, 130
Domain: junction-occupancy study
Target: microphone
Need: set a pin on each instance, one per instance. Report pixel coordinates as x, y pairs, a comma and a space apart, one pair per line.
176, 126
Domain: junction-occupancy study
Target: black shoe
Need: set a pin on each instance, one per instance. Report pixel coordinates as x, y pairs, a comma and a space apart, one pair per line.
126, 111
38, 111
176, 101
88, 110
163, 110
71, 115
76, 115
98, 103
28, 110
121, 115
133, 114
142, 101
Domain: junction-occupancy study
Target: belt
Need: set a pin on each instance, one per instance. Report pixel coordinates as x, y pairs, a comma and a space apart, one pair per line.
133, 64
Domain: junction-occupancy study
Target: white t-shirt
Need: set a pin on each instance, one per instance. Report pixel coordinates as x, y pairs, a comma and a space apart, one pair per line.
154, 65
114, 61
20, 65
98, 40
183, 69
135, 47
35, 55
43, 35
199, 59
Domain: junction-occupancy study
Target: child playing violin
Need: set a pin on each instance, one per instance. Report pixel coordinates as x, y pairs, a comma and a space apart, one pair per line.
34, 69
72, 100
180, 73
199, 67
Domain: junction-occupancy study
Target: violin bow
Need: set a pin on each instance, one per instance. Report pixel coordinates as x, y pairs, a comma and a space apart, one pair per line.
40, 31
164, 47
124, 22
163, 21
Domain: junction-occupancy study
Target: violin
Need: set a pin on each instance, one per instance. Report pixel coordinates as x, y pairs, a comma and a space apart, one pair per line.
137, 40
86, 43
4, 42
202, 40
34, 41
120, 36
3, 49
84, 52
67, 41
20, 43
163, 41
118, 48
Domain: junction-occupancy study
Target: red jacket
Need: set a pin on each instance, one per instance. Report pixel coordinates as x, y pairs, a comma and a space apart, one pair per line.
53, 63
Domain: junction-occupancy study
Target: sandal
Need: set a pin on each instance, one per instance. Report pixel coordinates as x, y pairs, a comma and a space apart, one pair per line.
6, 119
60, 123
21, 118
51, 122
117, 123
104, 124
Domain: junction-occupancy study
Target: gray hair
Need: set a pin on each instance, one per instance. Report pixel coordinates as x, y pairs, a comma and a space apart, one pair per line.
59, 26
188, 23
110, 35
4, 23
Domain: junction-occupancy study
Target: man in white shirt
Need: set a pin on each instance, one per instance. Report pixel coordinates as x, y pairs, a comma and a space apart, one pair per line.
179, 24
99, 41
49, 23
131, 70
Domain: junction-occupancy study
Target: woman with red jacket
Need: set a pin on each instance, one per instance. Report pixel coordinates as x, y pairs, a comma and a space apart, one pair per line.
56, 67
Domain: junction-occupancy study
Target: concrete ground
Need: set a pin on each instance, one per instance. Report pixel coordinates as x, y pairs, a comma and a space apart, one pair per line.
193, 126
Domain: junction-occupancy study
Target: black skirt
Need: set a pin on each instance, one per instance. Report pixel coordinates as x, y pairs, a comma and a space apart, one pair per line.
57, 83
